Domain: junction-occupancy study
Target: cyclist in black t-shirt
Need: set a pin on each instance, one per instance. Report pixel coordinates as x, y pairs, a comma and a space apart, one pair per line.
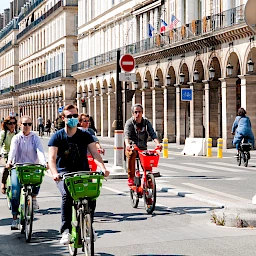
67, 153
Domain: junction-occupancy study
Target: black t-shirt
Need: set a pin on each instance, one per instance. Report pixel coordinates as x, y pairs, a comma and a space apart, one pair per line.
72, 151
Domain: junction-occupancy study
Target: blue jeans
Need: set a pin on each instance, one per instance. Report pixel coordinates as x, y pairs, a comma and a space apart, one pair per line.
16, 188
66, 206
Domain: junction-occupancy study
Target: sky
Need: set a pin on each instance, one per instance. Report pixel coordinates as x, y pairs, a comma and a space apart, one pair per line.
4, 4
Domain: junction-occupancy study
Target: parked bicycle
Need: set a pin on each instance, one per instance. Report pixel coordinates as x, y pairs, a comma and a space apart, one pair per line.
83, 186
145, 186
29, 175
244, 152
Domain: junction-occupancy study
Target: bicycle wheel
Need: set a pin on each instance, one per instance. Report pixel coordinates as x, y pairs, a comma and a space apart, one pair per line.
149, 193
87, 234
28, 218
239, 159
71, 247
134, 198
245, 159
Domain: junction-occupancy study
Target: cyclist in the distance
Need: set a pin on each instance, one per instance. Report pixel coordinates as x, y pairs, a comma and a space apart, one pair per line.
67, 153
136, 130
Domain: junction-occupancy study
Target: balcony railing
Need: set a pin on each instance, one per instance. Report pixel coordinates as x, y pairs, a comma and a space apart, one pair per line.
5, 90
41, 79
6, 46
193, 30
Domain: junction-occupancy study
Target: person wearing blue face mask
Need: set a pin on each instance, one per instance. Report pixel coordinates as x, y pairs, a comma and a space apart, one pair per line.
67, 153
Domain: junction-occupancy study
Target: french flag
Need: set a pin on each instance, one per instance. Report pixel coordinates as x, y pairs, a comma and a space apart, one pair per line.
163, 26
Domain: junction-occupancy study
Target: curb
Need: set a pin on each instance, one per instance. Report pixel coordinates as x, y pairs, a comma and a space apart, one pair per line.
239, 216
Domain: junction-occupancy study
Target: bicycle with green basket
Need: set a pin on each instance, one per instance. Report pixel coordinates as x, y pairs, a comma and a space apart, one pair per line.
83, 186
29, 175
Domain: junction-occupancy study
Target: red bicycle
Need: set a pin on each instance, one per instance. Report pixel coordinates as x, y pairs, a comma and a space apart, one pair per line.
92, 164
145, 186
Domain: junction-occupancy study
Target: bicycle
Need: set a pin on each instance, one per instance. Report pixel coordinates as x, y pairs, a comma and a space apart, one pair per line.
29, 175
92, 164
83, 186
244, 152
145, 186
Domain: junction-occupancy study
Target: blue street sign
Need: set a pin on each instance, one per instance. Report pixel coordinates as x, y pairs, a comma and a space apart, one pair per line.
60, 109
186, 94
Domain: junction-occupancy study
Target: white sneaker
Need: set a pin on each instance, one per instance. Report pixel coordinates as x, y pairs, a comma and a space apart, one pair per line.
15, 225
66, 237
35, 204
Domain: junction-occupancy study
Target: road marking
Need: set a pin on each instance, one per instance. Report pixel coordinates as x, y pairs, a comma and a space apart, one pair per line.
184, 168
115, 191
216, 192
217, 168
236, 166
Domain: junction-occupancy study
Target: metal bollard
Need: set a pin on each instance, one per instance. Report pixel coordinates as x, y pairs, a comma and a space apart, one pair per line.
165, 148
209, 147
219, 147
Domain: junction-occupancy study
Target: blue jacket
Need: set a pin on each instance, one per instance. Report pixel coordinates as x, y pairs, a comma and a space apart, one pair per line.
243, 128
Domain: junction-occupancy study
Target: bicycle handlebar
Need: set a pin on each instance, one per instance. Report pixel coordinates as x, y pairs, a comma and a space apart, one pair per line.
135, 147
73, 174
29, 165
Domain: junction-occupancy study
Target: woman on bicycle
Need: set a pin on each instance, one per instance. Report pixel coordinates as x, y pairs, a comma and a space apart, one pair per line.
242, 128
84, 121
25, 147
9, 129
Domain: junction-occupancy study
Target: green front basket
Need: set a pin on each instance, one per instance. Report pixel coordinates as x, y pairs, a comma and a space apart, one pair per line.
30, 175
84, 186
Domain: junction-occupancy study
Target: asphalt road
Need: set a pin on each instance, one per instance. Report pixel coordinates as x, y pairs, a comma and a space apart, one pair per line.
189, 190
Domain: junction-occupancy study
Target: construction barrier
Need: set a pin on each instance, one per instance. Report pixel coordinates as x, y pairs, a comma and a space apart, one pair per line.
194, 147
165, 148
219, 147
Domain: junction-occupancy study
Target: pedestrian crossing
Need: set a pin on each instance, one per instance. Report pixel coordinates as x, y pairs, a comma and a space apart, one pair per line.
208, 167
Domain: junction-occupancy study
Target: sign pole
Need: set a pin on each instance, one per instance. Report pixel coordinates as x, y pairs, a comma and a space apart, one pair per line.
119, 130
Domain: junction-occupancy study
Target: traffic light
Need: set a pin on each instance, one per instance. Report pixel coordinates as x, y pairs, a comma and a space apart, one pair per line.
83, 103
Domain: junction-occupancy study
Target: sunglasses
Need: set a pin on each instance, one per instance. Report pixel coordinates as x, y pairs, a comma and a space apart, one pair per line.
85, 121
10, 123
70, 116
137, 112
25, 124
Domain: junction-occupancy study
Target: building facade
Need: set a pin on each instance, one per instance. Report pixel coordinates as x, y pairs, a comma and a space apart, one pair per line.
46, 41
67, 52
207, 49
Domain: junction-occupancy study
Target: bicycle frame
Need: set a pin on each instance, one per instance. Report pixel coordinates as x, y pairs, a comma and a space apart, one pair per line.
144, 186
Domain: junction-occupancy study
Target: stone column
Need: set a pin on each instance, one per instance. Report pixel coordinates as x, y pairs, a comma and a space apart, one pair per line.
248, 95
111, 113
206, 119
97, 113
178, 132
165, 135
192, 113
147, 103
228, 91
104, 114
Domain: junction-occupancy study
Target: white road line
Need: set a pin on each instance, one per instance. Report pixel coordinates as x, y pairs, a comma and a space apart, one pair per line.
216, 192
242, 168
115, 191
184, 168
217, 168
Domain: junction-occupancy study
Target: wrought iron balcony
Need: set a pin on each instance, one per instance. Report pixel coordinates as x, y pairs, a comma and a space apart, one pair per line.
57, 74
5, 90
5, 46
29, 9
191, 31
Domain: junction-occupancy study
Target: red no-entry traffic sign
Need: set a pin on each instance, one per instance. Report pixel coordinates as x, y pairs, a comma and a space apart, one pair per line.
127, 63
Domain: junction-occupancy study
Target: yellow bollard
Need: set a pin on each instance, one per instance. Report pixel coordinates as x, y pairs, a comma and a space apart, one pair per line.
219, 147
165, 148
209, 147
